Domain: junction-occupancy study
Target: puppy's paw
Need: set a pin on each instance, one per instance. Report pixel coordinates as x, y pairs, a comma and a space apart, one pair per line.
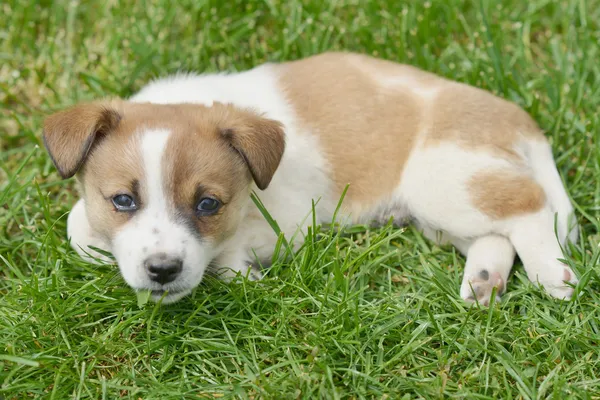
479, 287
248, 270
557, 284
255, 273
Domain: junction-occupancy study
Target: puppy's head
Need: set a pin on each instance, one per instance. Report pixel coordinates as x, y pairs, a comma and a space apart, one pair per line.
165, 185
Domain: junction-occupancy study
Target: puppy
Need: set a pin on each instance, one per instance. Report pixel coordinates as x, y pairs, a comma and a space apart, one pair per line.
166, 176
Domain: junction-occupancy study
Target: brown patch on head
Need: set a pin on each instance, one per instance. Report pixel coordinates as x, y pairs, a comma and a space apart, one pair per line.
365, 129
502, 194
94, 140
218, 158
114, 166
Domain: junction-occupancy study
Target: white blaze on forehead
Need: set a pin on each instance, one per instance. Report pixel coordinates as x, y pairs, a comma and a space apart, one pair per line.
153, 148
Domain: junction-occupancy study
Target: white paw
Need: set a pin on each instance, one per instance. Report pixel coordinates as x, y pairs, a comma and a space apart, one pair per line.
228, 274
82, 236
556, 285
255, 274
480, 287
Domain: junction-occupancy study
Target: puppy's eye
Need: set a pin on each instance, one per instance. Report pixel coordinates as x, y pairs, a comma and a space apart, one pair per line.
207, 206
124, 202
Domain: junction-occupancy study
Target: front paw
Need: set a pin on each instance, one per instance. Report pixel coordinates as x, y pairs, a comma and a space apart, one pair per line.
83, 238
255, 273
227, 274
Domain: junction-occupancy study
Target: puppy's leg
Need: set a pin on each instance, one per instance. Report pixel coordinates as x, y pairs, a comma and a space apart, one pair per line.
472, 195
537, 246
489, 261
82, 236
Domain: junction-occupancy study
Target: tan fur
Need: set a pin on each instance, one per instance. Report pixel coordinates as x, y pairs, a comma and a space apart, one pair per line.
474, 118
366, 152
336, 96
465, 114
112, 169
377, 67
216, 159
502, 194
212, 151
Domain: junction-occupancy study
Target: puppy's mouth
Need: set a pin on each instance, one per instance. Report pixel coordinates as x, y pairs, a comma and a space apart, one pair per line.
169, 292
169, 295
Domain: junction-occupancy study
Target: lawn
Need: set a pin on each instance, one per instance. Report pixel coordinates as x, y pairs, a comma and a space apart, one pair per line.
365, 314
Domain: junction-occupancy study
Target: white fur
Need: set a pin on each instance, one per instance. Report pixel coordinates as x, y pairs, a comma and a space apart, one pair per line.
533, 237
432, 190
546, 174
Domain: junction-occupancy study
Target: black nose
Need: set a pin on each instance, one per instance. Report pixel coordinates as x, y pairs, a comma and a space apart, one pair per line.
162, 268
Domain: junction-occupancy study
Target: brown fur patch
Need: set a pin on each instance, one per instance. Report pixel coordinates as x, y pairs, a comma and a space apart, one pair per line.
205, 162
503, 194
114, 166
476, 119
366, 131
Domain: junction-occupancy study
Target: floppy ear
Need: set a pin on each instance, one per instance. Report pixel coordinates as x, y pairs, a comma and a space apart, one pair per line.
260, 142
70, 134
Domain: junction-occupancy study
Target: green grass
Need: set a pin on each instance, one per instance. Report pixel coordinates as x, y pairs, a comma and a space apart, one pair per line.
368, 314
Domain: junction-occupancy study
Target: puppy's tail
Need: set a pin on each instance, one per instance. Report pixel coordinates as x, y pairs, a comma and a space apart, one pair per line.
545, 173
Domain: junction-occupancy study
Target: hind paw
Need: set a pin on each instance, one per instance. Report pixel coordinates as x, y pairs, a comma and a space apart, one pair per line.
479, 288
558, 286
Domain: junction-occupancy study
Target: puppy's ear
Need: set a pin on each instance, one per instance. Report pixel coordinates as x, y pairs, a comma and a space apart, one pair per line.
70, 134
260, 142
